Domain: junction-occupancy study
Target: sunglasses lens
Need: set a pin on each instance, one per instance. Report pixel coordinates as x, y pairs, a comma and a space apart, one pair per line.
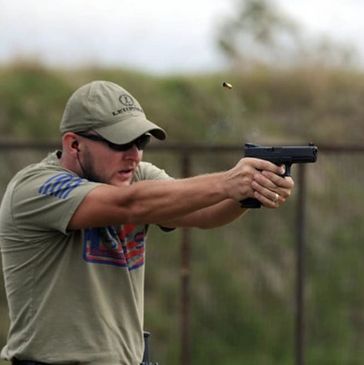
120, 147
140, 143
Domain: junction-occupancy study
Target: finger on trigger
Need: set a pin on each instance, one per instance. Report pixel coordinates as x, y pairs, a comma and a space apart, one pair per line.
262, 165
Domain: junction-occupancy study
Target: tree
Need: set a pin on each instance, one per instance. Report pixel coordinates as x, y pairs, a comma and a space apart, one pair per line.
261, 33
258, 33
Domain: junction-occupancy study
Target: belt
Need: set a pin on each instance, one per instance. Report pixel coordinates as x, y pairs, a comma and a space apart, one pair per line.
26, 362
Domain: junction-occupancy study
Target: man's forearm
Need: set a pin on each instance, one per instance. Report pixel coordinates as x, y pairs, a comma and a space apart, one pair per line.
175, 199
147, 202
210, 217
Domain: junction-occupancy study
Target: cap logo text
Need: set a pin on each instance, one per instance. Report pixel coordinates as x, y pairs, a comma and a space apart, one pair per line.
129, 105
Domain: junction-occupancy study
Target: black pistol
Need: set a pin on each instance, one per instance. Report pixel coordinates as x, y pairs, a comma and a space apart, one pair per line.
280, 155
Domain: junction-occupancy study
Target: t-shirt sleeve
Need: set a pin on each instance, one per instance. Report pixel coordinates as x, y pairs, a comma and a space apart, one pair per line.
148, 171
46, 201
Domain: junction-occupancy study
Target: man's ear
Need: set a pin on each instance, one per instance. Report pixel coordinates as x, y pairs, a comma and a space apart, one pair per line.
70, 142
75, 145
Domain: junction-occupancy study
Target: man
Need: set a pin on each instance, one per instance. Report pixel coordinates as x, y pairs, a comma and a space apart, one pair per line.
73, 228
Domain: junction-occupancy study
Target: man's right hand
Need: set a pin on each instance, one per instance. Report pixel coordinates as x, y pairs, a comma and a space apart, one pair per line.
259, 179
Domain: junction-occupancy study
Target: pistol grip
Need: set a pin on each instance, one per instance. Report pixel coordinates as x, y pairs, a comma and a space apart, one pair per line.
250, 203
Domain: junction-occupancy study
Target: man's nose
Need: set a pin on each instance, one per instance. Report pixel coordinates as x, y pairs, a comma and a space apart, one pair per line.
132, 152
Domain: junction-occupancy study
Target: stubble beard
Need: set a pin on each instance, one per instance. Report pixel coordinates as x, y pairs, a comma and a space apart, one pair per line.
88, 169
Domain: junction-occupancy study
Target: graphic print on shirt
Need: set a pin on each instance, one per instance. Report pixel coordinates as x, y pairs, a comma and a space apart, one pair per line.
60, 185
107, 246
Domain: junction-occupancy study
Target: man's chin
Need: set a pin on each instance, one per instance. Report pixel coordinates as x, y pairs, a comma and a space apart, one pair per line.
121, 182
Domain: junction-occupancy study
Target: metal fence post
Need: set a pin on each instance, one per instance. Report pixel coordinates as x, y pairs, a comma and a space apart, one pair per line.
300, 266
185, 351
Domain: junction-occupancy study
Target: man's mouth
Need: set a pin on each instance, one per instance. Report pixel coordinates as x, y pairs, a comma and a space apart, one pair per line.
126, 172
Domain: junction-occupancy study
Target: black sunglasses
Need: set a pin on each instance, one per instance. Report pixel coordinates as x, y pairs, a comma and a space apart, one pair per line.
139, 142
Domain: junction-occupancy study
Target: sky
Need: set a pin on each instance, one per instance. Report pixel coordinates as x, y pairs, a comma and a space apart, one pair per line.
158, 36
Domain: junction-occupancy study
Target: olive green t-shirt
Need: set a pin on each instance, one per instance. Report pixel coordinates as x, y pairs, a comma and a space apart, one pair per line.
73, 296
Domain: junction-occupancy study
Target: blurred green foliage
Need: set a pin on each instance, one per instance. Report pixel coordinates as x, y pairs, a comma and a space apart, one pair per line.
296, 104
242, 275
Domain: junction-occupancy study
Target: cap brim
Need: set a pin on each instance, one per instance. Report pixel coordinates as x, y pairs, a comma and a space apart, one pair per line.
127, 130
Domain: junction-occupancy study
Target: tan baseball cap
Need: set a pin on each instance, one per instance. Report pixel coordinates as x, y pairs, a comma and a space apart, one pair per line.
110, 110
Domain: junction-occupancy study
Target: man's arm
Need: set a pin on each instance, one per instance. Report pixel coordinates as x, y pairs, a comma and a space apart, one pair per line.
229, 210
211, 217
146, 202
158, 201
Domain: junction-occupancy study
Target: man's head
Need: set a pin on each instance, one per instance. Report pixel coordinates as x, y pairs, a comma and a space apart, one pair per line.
109, 110
104, 133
